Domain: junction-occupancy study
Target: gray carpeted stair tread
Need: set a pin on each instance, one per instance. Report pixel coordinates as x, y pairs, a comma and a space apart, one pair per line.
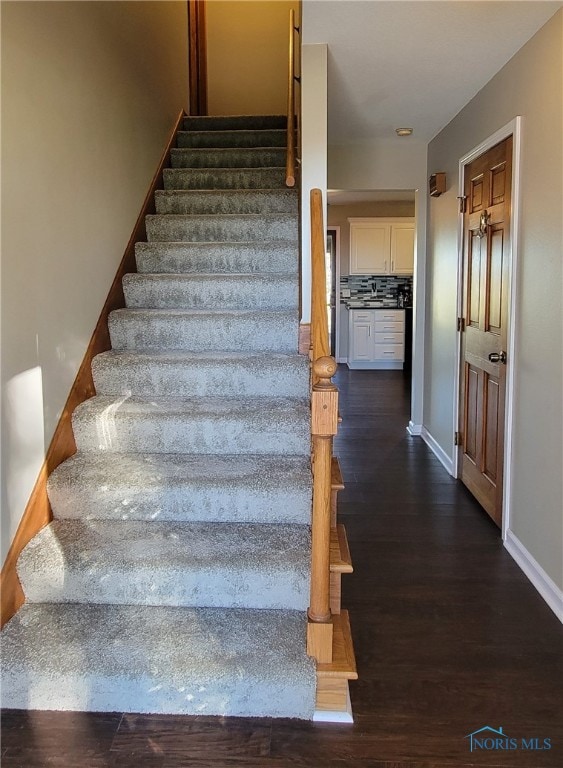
166, 291
195, 661
219, 258
234, 122
190, 488
270, 157
242, 137
184, 374
131, 562
222, 228
234, 201
224, 178
212, 425
199, 330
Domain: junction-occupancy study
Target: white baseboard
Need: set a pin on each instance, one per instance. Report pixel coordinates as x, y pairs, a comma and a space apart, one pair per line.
438, 451
414, 429
341, 359
545, 585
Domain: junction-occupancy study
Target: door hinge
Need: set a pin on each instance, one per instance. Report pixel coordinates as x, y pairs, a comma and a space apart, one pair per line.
461, 324
457, 438
462, 203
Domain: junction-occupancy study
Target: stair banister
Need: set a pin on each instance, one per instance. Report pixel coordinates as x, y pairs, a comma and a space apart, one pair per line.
292, 79
324, 424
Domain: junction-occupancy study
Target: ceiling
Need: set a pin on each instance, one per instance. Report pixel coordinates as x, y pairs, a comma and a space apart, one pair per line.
413, 63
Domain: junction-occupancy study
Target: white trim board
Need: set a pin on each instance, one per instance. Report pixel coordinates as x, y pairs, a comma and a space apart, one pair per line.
438, 451
514, 129
545, 585
414, 429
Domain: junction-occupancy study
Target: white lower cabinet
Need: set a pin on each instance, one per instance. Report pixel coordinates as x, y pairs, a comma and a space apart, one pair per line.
377, 338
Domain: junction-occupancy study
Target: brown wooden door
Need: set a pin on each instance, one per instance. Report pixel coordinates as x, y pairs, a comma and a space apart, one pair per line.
487, 187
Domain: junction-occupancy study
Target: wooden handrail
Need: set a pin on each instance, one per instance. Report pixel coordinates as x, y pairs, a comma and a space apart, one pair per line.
324, 425
319, 319
290, 159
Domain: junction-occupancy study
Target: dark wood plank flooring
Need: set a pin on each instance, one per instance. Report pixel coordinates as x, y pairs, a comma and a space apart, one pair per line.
449, 635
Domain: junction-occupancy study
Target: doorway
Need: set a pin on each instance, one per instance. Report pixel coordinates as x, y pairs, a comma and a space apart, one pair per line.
373, 280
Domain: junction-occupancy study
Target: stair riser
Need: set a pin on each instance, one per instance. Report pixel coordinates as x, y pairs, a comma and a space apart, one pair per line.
167, 588
142, 377
186, 292
206, 333
181, 502
251, 697
194, 229
165, 487
227, 158
242, 138
235, 123
220, 203
169, 432
220, 258
224, 178
234, 587
195, 662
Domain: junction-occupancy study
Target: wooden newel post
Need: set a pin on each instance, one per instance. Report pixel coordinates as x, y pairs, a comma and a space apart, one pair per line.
324, 425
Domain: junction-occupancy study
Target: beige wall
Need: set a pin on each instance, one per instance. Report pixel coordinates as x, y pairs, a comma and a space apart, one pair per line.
247, 56
90, 92
530, 85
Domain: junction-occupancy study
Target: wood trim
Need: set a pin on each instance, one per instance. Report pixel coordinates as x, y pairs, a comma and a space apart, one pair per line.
38, 511
343, 662
304, 343
197, 56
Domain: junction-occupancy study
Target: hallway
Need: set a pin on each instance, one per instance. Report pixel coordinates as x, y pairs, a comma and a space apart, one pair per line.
449, 635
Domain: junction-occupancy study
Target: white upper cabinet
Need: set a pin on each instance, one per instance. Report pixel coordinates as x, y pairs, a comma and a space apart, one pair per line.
370, 244
402, 249
381, 246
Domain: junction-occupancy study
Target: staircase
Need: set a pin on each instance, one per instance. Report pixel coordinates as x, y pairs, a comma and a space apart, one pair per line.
175, 575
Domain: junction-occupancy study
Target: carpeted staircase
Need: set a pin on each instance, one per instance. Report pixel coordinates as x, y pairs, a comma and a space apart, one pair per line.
175, 576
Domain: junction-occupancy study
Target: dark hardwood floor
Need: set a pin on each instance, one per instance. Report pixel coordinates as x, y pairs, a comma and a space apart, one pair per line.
449, 635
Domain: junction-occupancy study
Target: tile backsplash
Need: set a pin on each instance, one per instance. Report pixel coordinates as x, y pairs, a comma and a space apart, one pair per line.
373, 288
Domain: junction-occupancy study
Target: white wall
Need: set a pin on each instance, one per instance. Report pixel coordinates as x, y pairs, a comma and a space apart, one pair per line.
90, 92
531, 85
247, 56
313, 154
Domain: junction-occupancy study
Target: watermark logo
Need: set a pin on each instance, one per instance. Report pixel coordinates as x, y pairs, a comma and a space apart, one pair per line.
495, 739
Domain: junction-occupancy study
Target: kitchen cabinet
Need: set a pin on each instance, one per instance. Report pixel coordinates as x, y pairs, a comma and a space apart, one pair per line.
377, 338
381, 246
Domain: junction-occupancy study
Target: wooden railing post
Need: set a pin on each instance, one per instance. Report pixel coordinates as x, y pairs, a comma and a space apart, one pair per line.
324, 424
